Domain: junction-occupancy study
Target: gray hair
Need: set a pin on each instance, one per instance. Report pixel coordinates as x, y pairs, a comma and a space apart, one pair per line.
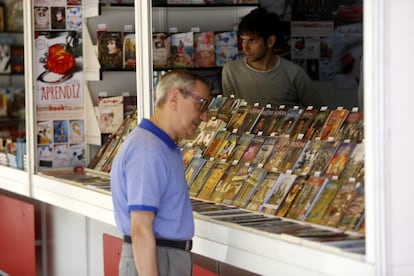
178, 78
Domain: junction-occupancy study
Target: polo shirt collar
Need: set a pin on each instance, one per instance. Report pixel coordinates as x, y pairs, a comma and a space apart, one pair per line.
148, 125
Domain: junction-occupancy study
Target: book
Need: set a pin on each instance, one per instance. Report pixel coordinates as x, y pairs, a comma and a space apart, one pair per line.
241, 146
355, 167
305, 120
340, 203
321, 205
332, 124
217, 194
128, 50
17, 59
270, 181
279, 150
323, 157
251, 119
315, 128
262, 125
310, 192
288, 122
352, 129
339, 160
265, 150
204, 53
278, 194
193, 169
216, 174
216, 105
232, 188
189, 152
110, 46
201, 178
111, 113
355, 211
226, 47
250, 185
238, 119
251, 151
161, 50
213, 147
294, 153
5, 54
182, 49
278, 116
227, 147
305, 162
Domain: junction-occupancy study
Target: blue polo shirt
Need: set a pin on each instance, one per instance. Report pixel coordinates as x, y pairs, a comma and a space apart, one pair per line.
147, 174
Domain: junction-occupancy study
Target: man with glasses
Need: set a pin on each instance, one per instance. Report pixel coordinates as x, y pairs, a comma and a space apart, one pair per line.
150, 195
261, 76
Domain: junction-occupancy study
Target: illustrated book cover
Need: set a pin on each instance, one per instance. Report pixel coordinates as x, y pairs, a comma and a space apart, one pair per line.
226, 47
204, 53
332, 124
216, 175
110, 47
182, 49
276, 196
270, 181
253, 181
161, 50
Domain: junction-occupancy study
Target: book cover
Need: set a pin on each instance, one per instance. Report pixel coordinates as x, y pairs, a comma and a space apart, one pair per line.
182, 49
241, 146
41, 16
74, 18
128, 50
278, 116
76, 131
294, 153
161, 50
355, 167
317, 212
315, 128
5, 54
110, 46
340, 203
220, 189
193, 169
44, 132
100, 152
253, 181
60, 131
226, 47
262, 125
339, 160
204, 54
189, 152
216, 174
58, 18
287, 124
332, 124
111, 113
307, 196
355, 210
323, 156
227, 147
215, 106
291, 196
251, 119
215, 144
279, 151
250, 154
238, 119
17, 59
305, 162
352, 129
276, 196
270, 180
230, 189
201, 178
303, 124
265, 150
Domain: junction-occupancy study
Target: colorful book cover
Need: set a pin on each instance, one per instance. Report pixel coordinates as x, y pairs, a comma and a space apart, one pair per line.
227, 147
352, 130
315, 128
253, 181
339, 160
294, 153
182, 49
355, 167
270, 180
110, 50
291, 196
216, 174
74, 18
5, 55
323, 157
129, 50
226, 47
201, 178
111, 113
287, 124
276, 196
161, 50
193, 169
204, 54
332, 124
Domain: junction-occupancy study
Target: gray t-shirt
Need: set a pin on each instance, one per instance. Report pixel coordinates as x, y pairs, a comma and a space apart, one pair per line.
287, 83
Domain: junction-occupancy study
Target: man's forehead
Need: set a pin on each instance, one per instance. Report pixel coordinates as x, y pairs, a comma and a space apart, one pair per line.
249, 35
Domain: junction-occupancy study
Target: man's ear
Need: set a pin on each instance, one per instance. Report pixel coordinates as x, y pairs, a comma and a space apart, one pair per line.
173, 98
271, 41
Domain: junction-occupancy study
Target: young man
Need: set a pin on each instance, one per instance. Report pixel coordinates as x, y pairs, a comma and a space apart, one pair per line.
150, 195
262, 76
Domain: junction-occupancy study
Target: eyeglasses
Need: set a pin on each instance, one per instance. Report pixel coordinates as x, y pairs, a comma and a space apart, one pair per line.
204, 103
